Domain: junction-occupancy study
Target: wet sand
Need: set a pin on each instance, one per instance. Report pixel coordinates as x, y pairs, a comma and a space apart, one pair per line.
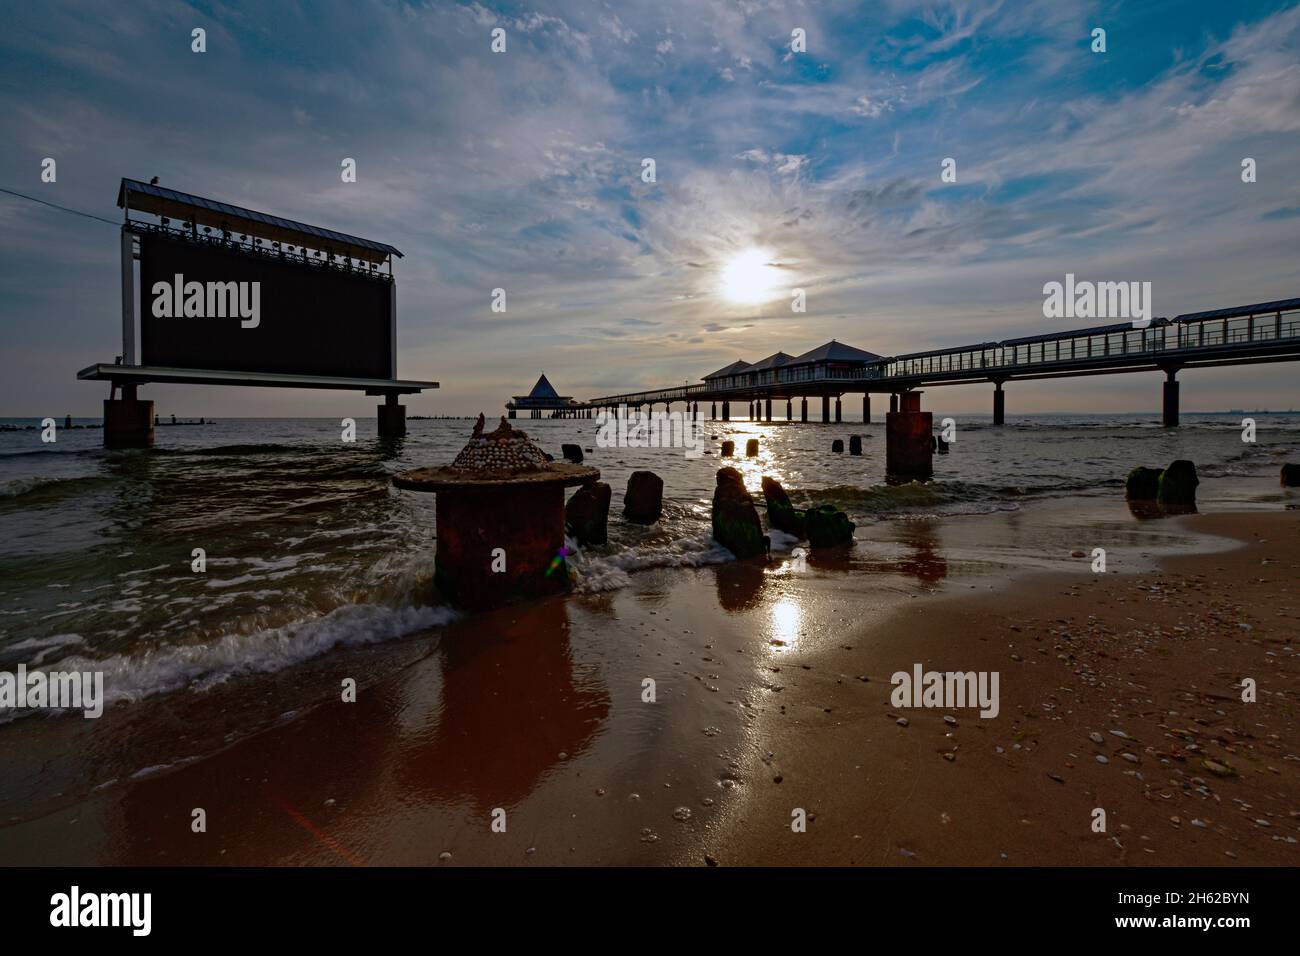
1207, 779
771, 693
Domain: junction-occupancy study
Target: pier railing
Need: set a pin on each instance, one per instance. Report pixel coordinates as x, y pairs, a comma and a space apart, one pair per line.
1227, 336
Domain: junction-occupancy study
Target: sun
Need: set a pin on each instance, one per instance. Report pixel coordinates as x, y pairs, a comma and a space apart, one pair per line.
750, 278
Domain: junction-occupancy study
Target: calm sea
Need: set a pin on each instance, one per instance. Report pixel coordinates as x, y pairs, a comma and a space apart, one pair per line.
309, 547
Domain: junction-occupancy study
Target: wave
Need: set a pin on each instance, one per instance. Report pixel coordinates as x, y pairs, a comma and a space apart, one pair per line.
44, 646
245, 449
160, 670
36, 484
592, 573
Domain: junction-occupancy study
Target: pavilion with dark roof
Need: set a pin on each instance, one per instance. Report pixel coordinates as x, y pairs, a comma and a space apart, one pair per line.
542, 399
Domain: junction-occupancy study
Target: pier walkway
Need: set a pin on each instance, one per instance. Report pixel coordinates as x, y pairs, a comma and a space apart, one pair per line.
1241, 335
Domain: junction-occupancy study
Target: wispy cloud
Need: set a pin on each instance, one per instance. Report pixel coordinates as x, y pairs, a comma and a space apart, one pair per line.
523, 170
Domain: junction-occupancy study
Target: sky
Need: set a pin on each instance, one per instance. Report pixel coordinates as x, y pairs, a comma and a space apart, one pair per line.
523, 170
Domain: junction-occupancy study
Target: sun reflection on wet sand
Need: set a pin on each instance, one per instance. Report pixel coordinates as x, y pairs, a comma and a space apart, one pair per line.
785, 619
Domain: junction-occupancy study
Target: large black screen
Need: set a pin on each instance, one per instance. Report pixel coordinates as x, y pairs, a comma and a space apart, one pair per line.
311, 320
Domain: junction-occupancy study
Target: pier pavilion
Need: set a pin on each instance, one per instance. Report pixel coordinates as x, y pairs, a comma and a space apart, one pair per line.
543, 399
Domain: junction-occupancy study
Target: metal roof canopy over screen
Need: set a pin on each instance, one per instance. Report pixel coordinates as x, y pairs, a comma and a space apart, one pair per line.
161, 201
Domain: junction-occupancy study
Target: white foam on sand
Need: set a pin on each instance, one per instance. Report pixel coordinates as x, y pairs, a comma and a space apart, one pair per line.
593, 573
159, 670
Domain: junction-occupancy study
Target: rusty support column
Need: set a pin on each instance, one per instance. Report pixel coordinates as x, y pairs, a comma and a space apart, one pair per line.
1170, 416
128, 421
909, 444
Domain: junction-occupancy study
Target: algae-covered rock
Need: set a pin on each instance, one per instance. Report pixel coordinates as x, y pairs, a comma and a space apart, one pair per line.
780, 513
1178, 485
735, 519
827, 527
1142, 484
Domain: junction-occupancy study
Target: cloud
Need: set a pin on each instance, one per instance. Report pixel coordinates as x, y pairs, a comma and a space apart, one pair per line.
870, 108
523, 169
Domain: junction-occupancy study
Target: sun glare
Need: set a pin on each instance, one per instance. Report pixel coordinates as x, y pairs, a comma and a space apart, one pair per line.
749, 278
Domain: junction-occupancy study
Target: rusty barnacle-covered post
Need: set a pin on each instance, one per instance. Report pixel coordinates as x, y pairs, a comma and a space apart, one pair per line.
500, 514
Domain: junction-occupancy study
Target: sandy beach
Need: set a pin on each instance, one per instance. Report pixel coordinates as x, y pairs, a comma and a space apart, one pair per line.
1155, 657
772, 693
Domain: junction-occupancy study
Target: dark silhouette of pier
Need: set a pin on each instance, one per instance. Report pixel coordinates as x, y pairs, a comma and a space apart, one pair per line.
1241, 335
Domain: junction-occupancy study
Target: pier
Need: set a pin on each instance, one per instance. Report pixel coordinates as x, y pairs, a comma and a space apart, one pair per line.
1241, 335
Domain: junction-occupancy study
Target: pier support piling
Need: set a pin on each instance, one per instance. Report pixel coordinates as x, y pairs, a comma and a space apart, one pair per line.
392, 418
789, 410
909, 445
726, 411
893, 401
866, 408
999, 404
826, 409
768, 409
1170, 417
128, 421
839, 412
803, 412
